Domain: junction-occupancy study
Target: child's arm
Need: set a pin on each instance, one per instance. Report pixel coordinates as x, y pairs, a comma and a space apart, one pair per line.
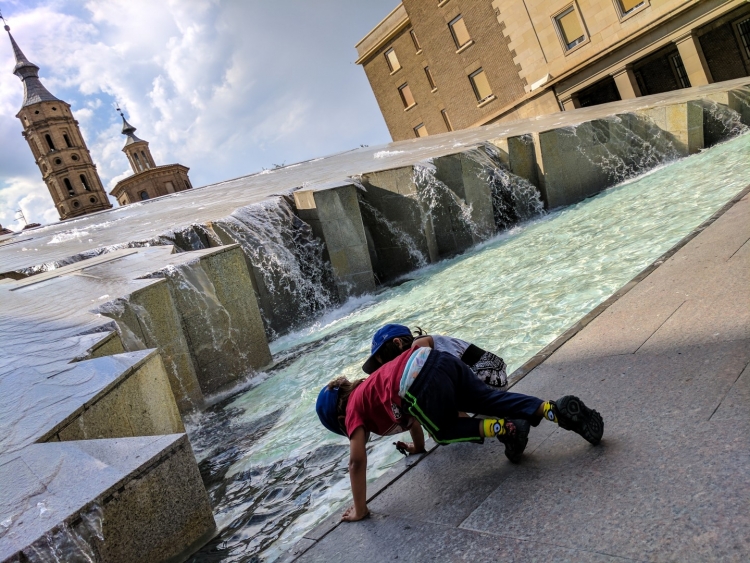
416, 446
357, 476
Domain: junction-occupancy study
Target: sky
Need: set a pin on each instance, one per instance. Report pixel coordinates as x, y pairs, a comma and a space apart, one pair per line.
225, 87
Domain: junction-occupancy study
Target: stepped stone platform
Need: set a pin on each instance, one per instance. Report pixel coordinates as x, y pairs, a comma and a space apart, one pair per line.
99, 359
668, 365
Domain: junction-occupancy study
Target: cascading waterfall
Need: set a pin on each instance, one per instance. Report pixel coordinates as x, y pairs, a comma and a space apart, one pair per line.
435, 196
372, 216
514, 199
286, 256
71, 542
722, 123
623, 146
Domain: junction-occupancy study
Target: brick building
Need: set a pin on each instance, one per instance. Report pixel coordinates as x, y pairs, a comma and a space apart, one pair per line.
436, 65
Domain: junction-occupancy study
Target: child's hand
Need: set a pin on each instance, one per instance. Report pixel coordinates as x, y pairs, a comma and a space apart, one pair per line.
351, 514
408, 448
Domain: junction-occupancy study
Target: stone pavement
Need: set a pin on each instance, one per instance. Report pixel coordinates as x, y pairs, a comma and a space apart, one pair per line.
667, 366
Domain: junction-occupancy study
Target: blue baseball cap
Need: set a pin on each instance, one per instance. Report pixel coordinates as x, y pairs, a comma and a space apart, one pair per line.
326, 409
383, 335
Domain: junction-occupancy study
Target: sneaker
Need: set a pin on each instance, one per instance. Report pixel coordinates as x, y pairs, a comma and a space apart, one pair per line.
515, 439
573, 415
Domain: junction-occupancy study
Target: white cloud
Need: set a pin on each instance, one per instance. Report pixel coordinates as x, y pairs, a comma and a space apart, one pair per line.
226, 88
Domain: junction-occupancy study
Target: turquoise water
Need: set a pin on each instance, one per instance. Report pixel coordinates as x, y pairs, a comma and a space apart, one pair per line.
273, 471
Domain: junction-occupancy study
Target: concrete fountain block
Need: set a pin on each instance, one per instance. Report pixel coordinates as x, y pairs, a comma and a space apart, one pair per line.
394, 218
220, 317
464, 176
141, 403
683, 122
121, 500
150, 314
518, 155
332, 210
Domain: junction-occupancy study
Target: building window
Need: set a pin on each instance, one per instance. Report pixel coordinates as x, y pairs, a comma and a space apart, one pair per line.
420, 130
138, 161
49, 142
428, 74
480, 84
744, 28
85, 183
92, 199
679, 68
570, 29
415, 40
146, 163
392, 60
406, 97
459, 32
143, 195
628, 6
68, 186
447, 121
67, 140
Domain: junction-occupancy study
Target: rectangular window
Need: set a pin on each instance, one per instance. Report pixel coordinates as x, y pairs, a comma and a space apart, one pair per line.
447, 121
480, 84
459, 32
628, 6
680, 70
392, 60
744, 28
420, 130
406, 96
415, 40
428, 74
570, 28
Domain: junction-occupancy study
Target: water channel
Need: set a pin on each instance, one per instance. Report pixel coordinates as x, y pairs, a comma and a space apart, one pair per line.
273, 472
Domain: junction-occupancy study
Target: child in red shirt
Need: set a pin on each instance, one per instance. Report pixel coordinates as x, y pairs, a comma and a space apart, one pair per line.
425, 387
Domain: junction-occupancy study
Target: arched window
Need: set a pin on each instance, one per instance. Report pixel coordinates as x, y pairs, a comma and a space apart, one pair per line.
67, 140
143, 195
49, 142
146, 163
138, 161
85, 183
69, 187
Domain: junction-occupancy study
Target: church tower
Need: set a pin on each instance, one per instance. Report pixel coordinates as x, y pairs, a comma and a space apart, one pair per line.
57, 145
148, 180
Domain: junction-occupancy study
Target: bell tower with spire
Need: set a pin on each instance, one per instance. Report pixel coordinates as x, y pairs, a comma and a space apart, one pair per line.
148, 179
57, 145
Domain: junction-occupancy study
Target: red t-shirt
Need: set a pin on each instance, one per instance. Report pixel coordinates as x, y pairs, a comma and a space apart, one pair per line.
375, 403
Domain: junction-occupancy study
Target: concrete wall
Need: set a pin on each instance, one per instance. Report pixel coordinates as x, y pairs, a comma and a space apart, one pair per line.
334, 215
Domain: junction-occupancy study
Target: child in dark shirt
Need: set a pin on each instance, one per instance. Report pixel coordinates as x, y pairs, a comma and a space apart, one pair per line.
425, 387
392, 339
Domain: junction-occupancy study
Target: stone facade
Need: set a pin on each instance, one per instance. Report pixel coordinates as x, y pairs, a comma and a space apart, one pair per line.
57, 145
616, 49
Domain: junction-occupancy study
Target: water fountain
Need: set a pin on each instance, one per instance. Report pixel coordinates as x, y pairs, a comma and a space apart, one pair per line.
205, 277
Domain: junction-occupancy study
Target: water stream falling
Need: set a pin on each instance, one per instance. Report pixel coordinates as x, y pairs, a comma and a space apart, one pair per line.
70, 542
438, 199
286, 259
273, 471
514, 199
